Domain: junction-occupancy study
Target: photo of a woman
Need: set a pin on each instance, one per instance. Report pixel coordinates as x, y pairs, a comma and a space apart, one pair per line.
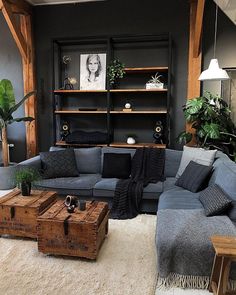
93, 71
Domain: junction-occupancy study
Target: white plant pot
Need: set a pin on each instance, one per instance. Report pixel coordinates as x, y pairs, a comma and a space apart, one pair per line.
131, 140
154, 85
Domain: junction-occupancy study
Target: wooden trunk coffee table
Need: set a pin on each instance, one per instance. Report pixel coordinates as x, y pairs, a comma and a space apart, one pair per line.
74, 234
18, 214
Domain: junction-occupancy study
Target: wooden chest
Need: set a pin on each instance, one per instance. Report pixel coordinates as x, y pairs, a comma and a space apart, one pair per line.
18, 214
74, 234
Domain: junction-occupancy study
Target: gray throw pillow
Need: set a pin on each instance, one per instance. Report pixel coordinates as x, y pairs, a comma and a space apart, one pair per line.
198, 155
59, 164
214, 200
194, 177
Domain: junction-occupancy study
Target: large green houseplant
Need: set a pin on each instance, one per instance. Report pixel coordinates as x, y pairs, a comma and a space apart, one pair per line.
8, 106
209, 115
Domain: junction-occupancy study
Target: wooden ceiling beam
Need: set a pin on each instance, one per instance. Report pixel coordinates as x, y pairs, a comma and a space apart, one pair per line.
20, 7
14, 28
198, 27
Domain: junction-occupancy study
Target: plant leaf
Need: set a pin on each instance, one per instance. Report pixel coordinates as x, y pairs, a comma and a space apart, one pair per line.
7, 98
212, 130
25, 119
184, 137
15, 107
194, 105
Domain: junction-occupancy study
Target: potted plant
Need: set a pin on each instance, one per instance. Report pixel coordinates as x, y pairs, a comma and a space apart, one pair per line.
24, 178
155, 82
115, 71
209, 115
8, 106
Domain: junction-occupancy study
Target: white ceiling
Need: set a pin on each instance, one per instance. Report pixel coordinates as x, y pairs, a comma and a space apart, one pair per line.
229, 8
51, 2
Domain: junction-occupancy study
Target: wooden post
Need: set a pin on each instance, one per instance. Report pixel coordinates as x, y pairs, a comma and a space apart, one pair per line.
195, 54
23, 37
5, 153
29, 85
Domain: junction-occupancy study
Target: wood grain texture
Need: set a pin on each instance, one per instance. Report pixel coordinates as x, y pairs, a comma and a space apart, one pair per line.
14, 28
30, 85
18, 214
146, 69
198, 28
81, 236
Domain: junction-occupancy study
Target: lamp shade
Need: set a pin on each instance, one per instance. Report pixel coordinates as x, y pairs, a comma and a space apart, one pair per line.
214, 72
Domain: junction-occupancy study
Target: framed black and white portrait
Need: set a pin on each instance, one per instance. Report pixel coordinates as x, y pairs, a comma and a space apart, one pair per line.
93, 71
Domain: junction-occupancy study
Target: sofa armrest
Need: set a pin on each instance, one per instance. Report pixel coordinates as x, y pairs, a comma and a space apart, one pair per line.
34, 162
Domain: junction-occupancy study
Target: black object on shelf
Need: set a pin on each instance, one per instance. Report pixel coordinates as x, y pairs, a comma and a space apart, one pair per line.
94, 137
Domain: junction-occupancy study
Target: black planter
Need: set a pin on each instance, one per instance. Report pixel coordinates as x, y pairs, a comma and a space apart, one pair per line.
25, 188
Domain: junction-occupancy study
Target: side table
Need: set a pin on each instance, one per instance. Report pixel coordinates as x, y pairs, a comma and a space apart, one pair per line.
225, 253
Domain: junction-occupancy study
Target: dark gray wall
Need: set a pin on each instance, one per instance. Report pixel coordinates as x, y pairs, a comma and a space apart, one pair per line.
11, 68
111, 17
225, 46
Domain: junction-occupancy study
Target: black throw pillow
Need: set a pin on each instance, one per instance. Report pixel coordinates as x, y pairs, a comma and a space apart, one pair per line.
194, 177
59, 164
116, 165
214, 200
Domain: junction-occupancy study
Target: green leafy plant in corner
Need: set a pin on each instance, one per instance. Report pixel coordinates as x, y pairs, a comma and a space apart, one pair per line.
209, 115
115, 71
26, 174
8, 106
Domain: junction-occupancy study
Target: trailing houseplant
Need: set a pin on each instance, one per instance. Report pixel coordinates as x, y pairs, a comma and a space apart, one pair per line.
115, 71
8, 106
209, 115
24, 178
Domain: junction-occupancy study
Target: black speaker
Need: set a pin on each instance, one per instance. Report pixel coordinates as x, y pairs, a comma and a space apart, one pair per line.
158, 132
65, 130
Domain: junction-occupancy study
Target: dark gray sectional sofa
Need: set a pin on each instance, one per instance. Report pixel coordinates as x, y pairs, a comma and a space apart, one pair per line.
182, 227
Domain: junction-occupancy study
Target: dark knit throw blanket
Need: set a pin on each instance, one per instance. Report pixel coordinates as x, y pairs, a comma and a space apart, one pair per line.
147, 167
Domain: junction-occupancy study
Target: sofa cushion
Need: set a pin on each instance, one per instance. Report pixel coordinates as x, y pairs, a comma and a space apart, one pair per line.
106, 187
108, 149
198, 155
226, 178
59, 164
179, 198
88, 160
194, 177
116, 165
172, 162
79, 185
169, 183
214, 200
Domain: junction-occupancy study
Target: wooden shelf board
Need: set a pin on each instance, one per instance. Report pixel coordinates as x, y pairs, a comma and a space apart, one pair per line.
146, 69
138, 90
123, 144
63, 143
79, 112
60, 91
140, 112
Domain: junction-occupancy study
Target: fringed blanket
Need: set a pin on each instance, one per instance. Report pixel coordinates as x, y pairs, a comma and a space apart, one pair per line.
147, 167
184, 251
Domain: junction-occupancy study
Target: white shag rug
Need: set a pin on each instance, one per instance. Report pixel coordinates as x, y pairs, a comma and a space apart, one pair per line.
126, 265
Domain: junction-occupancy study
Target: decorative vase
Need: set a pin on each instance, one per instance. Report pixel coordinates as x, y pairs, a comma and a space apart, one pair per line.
131, 140
25, 188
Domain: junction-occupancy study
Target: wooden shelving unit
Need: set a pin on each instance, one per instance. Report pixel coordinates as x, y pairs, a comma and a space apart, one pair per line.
63, 143
148, 105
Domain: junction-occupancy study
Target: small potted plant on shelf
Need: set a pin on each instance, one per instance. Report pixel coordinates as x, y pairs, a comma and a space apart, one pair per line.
155, 82
115, 71
24, 178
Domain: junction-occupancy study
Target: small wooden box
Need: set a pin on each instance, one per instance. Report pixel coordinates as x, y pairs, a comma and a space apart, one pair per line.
74, 234
18, 214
